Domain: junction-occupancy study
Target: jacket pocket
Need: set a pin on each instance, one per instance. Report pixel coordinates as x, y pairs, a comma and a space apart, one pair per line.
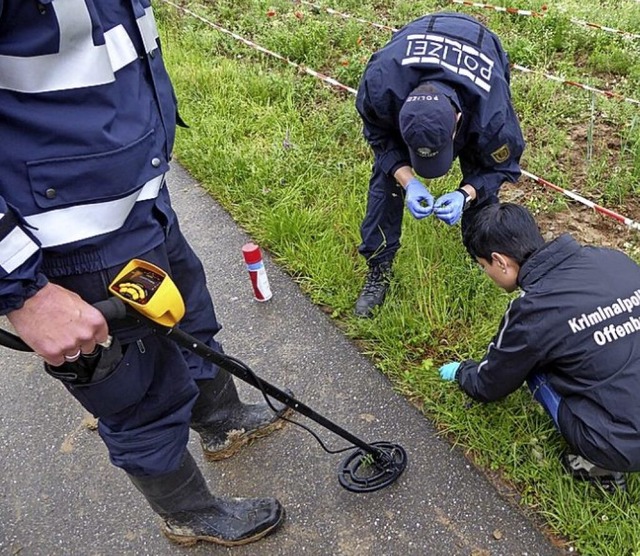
124, 387
57, 182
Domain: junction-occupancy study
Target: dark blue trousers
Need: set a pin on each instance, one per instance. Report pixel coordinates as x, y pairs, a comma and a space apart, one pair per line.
382, 225
144, 405
545, 395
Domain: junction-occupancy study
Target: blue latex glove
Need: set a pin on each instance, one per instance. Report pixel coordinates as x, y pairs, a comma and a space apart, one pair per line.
448, 371
448, 208
418, 199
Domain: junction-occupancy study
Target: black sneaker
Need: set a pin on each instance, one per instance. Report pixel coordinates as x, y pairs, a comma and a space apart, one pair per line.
374, 290
583, 470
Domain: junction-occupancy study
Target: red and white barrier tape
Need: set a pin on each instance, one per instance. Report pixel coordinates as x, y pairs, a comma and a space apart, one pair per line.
498, 8
624, 34
627, 221
347, 16
256, 46
574, 20
602, 210
608, 94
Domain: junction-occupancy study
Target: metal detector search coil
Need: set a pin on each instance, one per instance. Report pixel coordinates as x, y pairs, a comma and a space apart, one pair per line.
364, 471
149, 290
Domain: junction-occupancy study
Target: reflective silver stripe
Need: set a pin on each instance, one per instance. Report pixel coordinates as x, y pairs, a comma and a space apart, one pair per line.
15, 249
151, 189
120, 48
78, 62
53, 228
148, 30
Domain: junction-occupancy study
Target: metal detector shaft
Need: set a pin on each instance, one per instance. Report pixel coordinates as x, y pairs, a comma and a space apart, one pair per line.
206, 352
358, 473
192, 344
114, 309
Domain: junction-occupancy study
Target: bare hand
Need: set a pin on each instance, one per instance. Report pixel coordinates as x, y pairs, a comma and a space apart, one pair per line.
56, 322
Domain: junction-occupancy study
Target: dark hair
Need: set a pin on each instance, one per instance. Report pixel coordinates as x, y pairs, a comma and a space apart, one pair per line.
504, 228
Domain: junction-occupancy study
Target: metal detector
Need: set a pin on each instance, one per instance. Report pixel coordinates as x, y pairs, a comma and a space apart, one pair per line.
146, 293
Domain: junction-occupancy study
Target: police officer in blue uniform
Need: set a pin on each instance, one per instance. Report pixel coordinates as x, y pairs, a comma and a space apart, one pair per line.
87, 125
438, 90
571, 335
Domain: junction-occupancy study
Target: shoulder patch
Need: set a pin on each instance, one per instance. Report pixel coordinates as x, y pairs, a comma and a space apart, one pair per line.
502, 154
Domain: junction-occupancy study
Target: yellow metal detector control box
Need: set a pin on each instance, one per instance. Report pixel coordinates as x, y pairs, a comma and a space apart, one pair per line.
150, 291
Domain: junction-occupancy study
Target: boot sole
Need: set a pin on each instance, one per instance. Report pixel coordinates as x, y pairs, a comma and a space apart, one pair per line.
190, 541
242, 439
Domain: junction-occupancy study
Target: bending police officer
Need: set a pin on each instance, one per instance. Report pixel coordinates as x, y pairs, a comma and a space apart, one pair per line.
438, 90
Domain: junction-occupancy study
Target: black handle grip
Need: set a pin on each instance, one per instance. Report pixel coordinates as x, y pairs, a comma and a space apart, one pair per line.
12, 341
112, 309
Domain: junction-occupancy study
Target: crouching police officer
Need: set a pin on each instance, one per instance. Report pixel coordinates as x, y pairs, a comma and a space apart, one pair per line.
571, 335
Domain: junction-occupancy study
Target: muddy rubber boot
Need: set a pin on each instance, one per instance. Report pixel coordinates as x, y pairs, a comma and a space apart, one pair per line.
224, 423
190, 513
374, 290
583, 470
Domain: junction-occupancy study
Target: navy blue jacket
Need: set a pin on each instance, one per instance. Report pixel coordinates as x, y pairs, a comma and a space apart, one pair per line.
578, 320
470, 59
87, 124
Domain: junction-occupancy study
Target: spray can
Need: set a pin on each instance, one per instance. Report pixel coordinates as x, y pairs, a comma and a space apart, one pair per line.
257, 273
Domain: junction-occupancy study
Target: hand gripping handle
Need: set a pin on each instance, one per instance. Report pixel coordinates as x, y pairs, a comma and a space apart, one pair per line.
111, 309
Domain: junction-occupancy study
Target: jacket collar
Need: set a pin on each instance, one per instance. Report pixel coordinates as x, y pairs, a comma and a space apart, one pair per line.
546, 258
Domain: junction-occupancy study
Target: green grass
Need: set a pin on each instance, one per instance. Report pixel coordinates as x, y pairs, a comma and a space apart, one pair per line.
283, 153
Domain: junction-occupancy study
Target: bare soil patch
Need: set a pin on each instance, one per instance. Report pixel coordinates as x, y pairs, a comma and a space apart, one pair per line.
585, 224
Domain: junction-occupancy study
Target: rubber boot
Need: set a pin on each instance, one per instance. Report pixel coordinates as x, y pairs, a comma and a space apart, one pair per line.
374, 290
224, 423
191, 513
